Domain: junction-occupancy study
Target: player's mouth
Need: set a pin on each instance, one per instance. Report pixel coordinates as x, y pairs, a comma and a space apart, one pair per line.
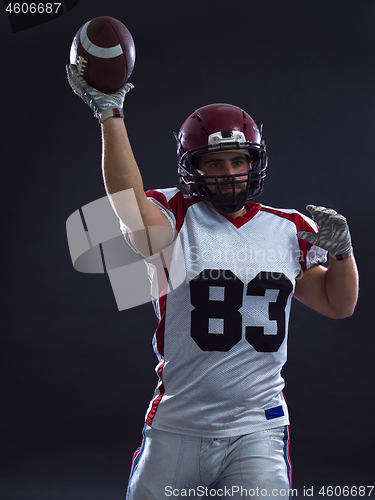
229, 189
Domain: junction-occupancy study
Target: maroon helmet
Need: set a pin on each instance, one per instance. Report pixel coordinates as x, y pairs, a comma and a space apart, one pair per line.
216, 128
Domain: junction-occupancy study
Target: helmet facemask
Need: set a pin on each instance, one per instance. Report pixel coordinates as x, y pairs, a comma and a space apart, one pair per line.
198, 184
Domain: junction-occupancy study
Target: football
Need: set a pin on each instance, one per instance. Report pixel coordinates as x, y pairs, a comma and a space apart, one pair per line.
104, 52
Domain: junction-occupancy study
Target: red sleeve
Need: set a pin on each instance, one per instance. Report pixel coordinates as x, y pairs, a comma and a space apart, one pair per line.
177, 204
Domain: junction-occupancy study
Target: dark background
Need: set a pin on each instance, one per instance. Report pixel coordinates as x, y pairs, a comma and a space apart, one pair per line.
77, 374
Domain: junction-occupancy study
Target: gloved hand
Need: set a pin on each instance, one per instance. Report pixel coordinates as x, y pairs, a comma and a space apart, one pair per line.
333, 234
103, 105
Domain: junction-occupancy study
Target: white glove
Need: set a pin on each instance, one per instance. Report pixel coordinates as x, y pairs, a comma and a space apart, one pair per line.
103, 105
333, 234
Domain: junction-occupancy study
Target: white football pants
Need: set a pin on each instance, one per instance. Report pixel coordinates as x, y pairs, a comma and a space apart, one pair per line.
172, 466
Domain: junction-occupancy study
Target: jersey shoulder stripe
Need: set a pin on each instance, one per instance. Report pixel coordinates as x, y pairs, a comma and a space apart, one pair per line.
164, 196
309, 254
302, 222
174, 201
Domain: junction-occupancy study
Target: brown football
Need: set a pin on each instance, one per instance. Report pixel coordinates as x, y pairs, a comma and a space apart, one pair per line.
104, 52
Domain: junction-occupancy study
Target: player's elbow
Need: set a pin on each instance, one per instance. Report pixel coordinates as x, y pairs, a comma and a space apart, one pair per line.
342, 312
349, 312
341, 315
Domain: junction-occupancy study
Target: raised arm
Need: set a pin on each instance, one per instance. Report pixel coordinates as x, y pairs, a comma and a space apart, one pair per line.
122, 178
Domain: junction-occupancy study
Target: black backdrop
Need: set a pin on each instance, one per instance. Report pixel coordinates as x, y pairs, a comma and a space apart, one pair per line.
77, 374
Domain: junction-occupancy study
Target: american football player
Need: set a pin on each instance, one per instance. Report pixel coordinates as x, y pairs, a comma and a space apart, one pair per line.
218, 421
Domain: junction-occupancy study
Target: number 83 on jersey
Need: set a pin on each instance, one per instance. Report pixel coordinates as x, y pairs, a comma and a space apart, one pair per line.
220, 308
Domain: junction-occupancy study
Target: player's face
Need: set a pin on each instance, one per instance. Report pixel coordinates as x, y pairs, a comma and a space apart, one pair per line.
225, 164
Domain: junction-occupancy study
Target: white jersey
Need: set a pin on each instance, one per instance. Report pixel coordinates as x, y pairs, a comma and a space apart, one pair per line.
222, 335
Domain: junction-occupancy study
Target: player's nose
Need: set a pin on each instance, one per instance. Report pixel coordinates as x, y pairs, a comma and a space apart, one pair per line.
228, 169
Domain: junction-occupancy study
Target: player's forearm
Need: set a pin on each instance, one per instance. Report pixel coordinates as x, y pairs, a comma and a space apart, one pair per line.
341, 286
120, 171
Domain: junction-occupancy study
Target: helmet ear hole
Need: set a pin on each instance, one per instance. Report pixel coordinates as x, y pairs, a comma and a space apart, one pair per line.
194, 162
